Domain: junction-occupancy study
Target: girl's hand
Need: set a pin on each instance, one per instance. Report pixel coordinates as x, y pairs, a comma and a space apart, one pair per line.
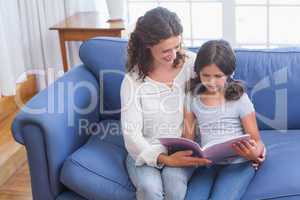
247, 149
256, 164
183, 159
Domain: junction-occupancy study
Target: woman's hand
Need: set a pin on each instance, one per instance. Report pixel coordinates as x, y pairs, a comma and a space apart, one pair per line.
248, 149
182, 159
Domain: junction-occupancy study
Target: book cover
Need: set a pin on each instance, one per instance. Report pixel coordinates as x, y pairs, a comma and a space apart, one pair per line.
215, 151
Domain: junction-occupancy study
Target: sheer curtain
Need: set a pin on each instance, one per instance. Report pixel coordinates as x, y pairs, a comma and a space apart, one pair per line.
11, 53
28, 46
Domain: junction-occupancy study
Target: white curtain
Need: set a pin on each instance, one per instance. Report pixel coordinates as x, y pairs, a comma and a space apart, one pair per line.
28, 46
11, 53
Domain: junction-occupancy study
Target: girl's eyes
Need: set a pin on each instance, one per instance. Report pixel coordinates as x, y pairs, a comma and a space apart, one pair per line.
219, 76
216, 76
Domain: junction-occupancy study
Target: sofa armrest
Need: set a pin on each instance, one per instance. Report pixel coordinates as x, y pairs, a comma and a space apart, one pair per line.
53, 124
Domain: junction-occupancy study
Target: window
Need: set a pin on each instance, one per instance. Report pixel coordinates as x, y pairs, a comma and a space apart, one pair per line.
275, 23
193, 13
244, 23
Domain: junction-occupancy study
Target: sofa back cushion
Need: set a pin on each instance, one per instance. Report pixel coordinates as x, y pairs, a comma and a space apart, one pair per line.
271, 76
106, 57
272, 79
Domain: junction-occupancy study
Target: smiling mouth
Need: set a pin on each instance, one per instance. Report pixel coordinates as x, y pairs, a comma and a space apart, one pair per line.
168, 59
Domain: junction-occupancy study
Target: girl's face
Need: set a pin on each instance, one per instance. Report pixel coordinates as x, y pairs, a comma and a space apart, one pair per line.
213, 78
164, 53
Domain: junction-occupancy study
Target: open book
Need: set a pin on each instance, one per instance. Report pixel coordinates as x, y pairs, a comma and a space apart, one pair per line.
215, 151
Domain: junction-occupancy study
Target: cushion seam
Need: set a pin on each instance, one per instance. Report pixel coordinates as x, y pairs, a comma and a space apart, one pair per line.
93, 172
119, 146
279, 196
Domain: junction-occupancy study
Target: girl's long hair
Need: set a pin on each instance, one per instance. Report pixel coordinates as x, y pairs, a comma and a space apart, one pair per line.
156, 25
220, 53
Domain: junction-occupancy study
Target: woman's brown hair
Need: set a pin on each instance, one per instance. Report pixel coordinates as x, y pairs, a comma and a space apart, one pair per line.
156, 25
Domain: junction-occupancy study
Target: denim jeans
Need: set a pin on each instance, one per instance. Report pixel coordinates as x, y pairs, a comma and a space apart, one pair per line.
220, 182
169, 183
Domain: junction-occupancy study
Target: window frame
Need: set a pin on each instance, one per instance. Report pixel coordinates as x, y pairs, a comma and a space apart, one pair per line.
229, 20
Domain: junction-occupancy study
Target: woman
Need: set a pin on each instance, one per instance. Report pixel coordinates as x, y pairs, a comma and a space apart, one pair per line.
152, 98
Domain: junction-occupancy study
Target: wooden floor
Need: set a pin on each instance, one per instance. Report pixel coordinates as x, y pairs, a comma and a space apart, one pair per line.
14, 172
18, 186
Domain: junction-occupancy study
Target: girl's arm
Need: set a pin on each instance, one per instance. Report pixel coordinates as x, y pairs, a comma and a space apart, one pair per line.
253, 149
184, 158
189, 126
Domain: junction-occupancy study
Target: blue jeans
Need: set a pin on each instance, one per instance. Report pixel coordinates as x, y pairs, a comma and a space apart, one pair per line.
220, 182
169, 183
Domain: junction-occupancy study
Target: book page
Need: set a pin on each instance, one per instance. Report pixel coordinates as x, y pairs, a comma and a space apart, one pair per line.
222, 149
231, 140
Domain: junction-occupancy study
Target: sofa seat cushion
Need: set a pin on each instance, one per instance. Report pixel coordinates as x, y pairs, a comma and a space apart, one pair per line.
97, 169
279, 176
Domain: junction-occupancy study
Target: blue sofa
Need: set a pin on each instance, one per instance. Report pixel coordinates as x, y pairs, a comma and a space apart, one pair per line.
72, 133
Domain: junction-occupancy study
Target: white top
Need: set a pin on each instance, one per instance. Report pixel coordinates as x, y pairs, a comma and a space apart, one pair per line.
151, 110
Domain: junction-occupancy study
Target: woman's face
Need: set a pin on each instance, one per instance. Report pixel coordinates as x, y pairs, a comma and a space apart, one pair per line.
213, 78
164, 53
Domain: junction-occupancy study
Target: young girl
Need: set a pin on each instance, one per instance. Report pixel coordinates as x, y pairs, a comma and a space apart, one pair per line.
221, 108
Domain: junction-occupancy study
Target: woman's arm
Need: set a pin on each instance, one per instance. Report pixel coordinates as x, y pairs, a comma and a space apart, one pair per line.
132, 126
182, 159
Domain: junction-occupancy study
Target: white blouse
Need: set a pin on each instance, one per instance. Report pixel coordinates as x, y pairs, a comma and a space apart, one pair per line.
150, 110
